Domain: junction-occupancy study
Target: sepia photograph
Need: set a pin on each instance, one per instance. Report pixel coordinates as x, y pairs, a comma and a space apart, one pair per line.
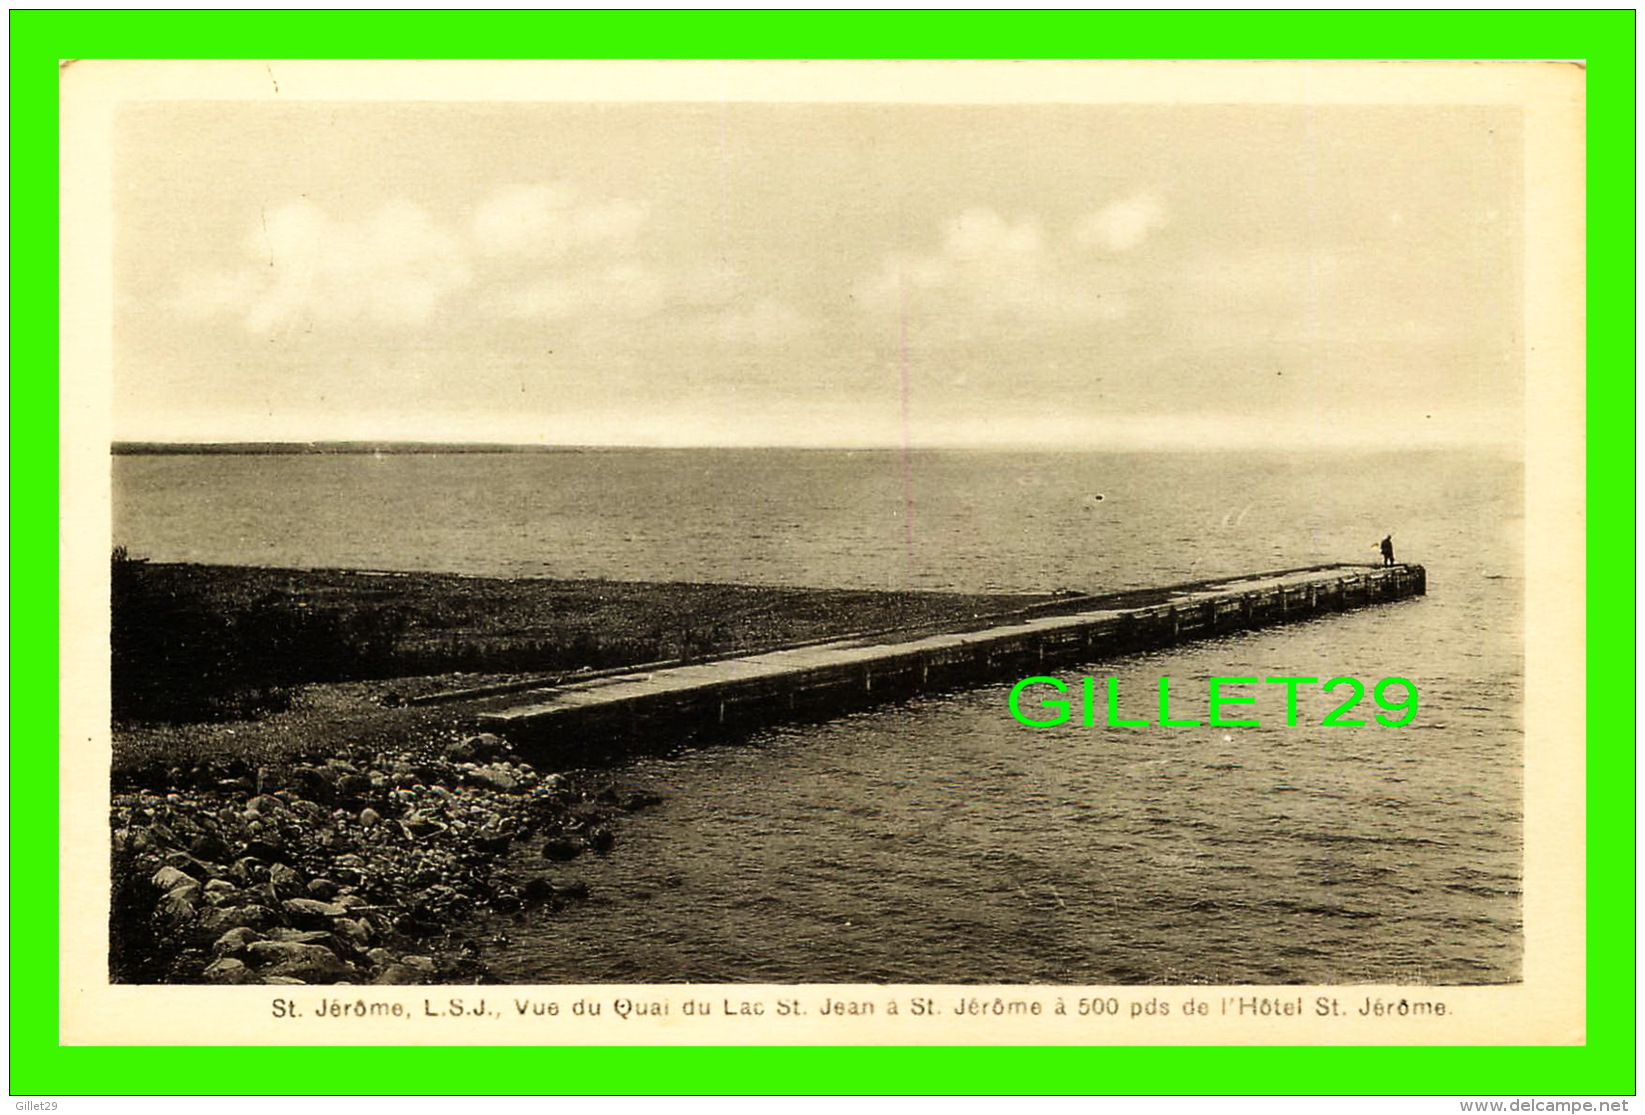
757, 538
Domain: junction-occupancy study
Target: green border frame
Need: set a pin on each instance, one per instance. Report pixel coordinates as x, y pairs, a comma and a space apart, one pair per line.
1604, 39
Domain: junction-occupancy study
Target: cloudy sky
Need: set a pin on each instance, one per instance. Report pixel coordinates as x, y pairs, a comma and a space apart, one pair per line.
767, 274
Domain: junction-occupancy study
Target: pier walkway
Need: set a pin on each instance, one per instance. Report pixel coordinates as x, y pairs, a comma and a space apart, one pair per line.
828, 678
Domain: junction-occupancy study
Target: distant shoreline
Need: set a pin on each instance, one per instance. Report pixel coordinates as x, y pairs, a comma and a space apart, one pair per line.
456, 448
355, 448
432, 448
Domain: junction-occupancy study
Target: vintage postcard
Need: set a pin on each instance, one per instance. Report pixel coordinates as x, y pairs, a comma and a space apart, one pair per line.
822, 553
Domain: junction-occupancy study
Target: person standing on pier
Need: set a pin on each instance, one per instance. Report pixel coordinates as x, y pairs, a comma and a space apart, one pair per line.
1388, 549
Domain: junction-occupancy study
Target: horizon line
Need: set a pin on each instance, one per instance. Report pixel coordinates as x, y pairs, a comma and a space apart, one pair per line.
347, 446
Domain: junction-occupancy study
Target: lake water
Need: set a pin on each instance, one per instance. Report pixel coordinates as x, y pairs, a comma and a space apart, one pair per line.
941, 840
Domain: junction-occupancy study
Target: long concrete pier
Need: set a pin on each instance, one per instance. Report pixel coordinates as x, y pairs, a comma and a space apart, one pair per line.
607, 716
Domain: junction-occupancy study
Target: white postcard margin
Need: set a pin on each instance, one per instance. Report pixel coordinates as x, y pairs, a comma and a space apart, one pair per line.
1548, 1007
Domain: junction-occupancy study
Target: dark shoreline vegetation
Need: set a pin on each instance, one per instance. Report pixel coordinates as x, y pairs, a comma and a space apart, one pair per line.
194, 643
286, 810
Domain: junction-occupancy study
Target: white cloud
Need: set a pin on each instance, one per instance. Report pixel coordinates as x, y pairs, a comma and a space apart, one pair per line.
527, 251
1121, 225
548, 221
391, 268
985, 236
619, 291
990, 272
983, 260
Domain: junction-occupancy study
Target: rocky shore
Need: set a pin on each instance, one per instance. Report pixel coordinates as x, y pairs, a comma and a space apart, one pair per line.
287, 808
354, 868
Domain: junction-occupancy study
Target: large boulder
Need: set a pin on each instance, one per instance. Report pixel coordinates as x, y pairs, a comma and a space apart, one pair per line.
458, 751
209, 846
191, 866
356, 931
252, 916
175, 909
234, 941
286, 880
396, 974
266, 804
219, 891
298, 960
248, 870
298, 936
227, 970
494, 778
170, 878
309, 913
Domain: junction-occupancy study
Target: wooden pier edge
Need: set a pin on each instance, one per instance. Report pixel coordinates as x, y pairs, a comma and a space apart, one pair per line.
608, 718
